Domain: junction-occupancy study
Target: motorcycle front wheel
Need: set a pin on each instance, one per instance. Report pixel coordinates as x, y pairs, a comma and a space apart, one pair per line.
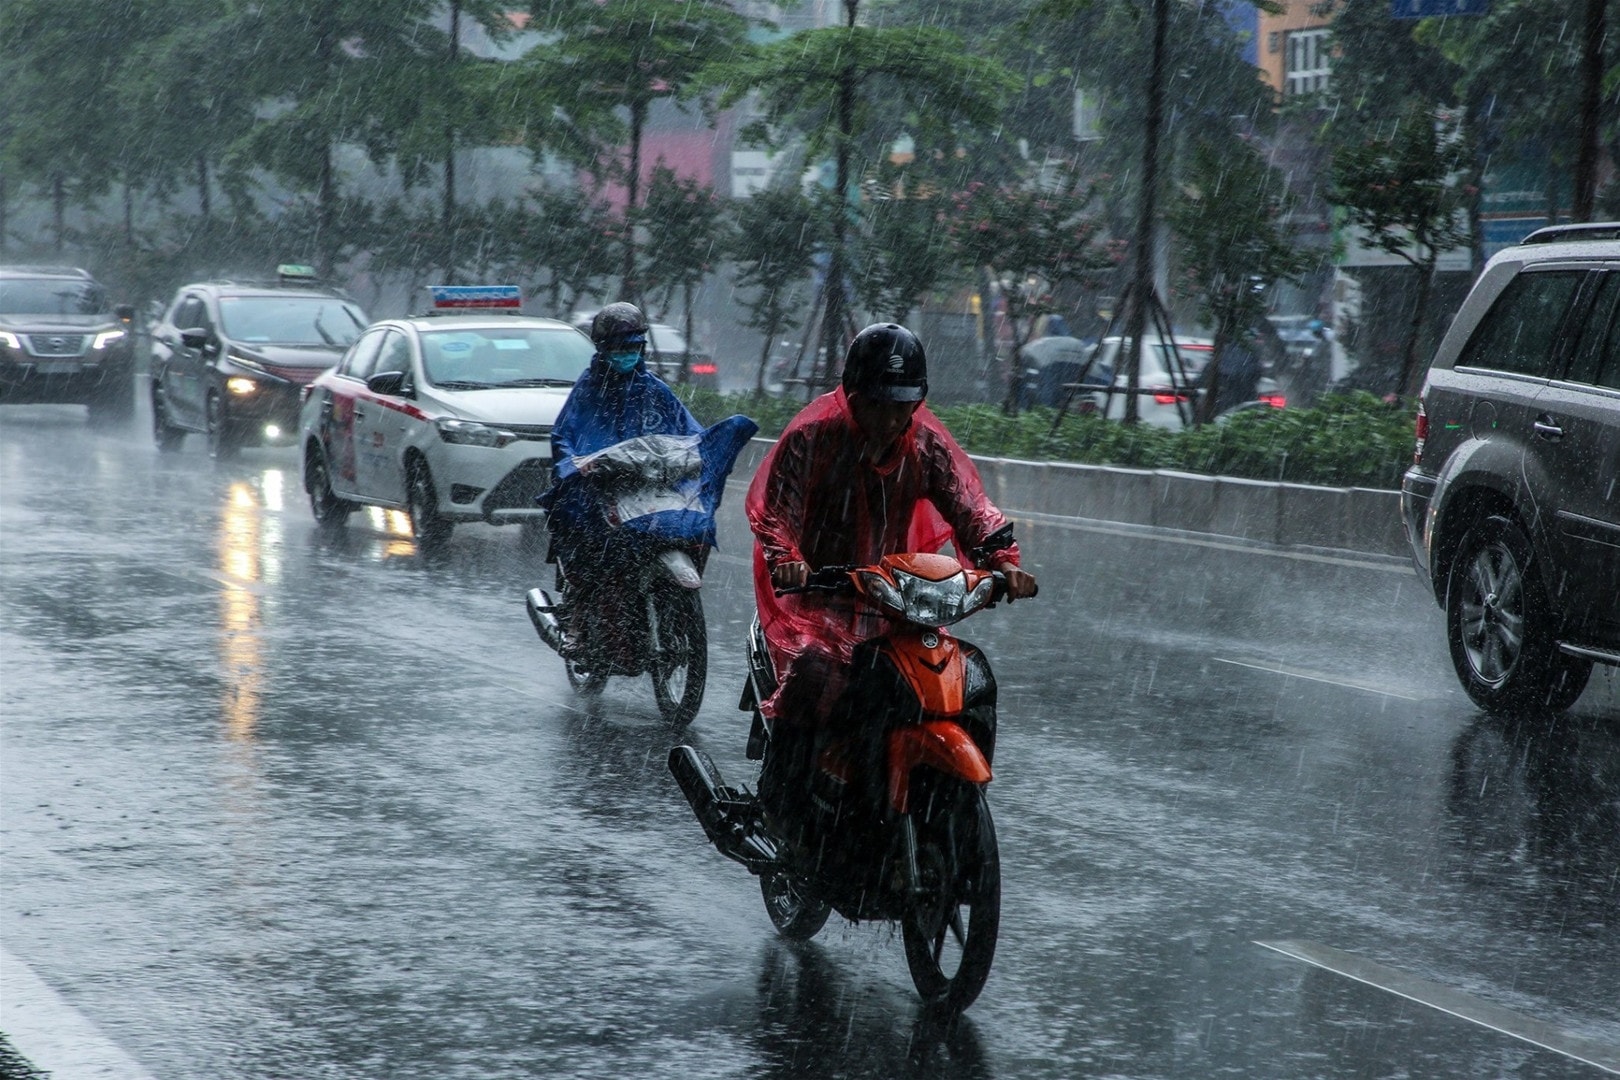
950, 930
680, 661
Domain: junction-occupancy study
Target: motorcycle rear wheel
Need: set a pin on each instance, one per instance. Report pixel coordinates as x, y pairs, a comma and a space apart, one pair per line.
796, 916
950, 933
680, 663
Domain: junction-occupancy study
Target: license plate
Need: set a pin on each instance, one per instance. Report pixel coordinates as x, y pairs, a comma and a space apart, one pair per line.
56, 369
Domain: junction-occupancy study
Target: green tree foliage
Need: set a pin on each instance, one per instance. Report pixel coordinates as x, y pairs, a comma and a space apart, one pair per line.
1400, 187
686, 237
1227, 216
630, 53
777, 233
903, 247
1032, 241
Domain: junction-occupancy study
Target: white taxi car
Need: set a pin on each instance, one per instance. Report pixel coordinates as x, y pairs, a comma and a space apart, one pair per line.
447, 416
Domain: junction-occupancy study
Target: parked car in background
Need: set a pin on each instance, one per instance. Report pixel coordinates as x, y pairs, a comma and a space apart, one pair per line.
230, 359
1512, 503
62, 342
447, 416
666, 349
1167, 400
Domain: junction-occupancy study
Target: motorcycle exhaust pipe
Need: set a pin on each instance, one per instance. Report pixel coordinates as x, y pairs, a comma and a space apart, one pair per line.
542, 614
724, 814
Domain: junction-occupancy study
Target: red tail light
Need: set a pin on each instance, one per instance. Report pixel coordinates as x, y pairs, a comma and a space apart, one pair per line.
1163, 395
1420, 432
704, 369
1276, 401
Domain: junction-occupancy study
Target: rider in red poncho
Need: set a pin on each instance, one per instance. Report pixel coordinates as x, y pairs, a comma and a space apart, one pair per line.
862, 472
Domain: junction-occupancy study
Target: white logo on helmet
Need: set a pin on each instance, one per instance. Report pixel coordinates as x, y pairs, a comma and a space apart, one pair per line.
897, 364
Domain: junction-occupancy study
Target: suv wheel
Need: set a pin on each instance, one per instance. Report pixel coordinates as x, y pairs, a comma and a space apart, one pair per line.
1500, 625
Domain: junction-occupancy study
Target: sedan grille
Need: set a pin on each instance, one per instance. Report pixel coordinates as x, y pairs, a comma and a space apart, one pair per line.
519, 488
56, 344
531, 432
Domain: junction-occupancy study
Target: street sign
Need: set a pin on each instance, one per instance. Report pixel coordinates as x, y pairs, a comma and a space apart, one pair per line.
476, 296
1431, 9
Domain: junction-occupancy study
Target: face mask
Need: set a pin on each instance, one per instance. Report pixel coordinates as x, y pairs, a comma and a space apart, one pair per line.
624, 362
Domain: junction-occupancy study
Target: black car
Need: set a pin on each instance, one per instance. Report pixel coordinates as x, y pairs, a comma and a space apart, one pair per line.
230, 359
1512, 504
60, 341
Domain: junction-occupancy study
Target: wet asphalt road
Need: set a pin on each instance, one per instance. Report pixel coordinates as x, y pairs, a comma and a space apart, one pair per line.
277, 806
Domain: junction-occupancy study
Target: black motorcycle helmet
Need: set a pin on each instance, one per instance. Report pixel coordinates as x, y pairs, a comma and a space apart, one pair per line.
886, 362
618, 323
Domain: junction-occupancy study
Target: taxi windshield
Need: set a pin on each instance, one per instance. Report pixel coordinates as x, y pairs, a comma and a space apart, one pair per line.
291, 320
504, 357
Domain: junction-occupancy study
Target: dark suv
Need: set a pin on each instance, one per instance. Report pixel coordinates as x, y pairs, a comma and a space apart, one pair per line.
60, 341
230, 359
1512, 504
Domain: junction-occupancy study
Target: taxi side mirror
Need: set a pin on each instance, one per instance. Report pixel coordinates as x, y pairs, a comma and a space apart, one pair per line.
197, 337
388, 383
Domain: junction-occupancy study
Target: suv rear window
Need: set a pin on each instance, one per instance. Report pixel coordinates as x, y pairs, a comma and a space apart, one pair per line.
1523, 329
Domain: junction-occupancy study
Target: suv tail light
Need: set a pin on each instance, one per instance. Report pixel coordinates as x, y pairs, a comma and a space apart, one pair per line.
1276, 401
704, 369
1164, 395
1420, 432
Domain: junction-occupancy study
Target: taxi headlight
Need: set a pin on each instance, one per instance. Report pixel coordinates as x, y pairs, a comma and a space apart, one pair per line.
472, 433
237, 384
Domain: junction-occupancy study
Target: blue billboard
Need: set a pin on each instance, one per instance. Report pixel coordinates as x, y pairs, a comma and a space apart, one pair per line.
1430, 9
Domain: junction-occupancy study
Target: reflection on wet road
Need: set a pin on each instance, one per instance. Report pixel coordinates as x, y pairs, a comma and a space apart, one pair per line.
274, 803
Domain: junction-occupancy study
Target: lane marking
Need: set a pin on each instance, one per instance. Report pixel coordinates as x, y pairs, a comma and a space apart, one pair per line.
53, 1035
1316, 676
1452, 1002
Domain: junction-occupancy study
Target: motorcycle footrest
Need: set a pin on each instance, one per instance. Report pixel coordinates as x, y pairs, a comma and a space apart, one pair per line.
730, 818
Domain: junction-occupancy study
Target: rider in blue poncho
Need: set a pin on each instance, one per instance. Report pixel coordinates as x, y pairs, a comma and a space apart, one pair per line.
617, 399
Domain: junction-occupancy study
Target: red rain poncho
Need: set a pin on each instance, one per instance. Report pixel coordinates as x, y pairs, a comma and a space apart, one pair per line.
814, 500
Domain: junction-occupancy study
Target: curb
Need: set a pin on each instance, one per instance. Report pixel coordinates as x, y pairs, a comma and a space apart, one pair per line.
1365, 520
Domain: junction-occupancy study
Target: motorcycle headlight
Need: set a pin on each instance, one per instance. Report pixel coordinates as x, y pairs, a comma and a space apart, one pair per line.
878, 589
472, 433
940, 603
106, 338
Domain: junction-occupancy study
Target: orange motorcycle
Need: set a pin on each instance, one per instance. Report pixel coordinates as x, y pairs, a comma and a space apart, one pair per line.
894, 824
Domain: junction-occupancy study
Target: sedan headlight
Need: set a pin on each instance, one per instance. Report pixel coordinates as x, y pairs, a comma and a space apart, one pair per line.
106, 338
472, 433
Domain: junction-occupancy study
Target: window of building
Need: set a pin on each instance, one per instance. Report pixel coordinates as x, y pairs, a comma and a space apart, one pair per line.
1308, 61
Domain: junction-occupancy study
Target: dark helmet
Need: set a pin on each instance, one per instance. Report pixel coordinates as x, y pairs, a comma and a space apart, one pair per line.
619, 323
887, 362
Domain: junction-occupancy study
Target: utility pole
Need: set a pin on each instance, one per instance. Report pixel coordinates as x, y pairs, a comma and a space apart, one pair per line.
449, 211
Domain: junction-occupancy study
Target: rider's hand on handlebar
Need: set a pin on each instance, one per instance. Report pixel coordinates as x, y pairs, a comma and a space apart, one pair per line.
1020, 586
790, 575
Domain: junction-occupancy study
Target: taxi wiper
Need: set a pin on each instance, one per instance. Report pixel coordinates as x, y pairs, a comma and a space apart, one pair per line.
520, 383
463, 384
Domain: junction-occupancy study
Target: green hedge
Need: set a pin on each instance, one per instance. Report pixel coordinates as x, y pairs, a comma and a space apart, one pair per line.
1348, 440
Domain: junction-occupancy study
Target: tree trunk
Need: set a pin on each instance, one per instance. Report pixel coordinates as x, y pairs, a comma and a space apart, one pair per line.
2, 212
832, 327
1204, 406
326, 214
59, 210
449, 208
772, 328
1586, 161
204, 206
631, 288
129, 214
1142, 279
686, 357
1411, 370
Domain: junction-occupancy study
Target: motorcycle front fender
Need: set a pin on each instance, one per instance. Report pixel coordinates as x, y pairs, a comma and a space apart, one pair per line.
941, 745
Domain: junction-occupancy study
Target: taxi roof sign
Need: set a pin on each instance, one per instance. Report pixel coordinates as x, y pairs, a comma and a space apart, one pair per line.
476, 296
299, 271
